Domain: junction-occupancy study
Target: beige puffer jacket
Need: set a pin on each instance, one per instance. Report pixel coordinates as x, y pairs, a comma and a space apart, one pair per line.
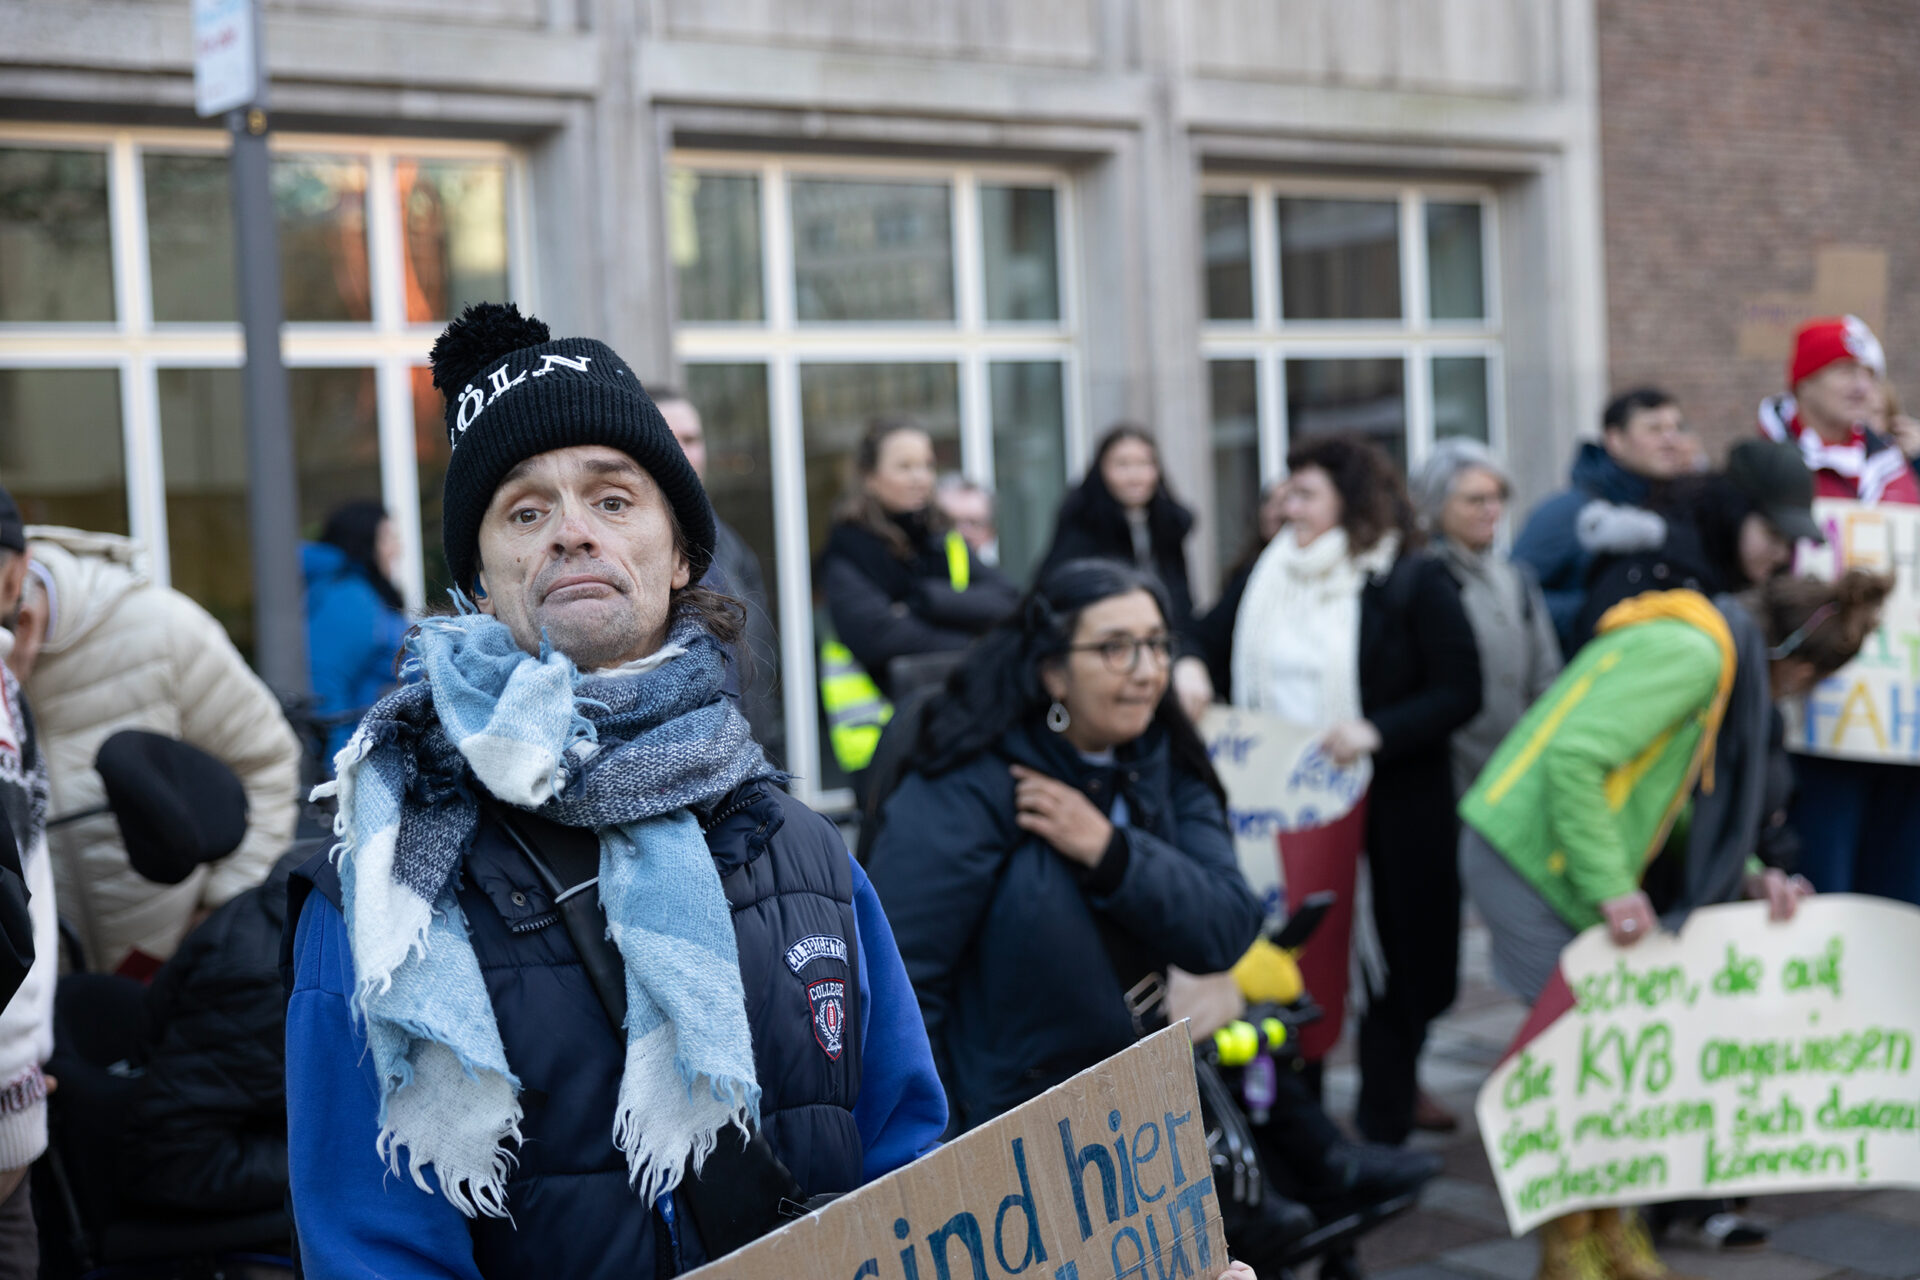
122, 653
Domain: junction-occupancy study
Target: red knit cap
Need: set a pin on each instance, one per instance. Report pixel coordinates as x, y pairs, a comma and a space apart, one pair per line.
1820, 342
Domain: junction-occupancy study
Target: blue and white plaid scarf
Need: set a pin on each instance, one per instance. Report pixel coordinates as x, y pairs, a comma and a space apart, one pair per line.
623, 754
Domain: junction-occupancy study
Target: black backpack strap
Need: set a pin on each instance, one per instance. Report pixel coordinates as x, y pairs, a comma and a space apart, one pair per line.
742, 1191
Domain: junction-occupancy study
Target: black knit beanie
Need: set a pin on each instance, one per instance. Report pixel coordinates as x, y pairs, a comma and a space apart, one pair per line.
512, 392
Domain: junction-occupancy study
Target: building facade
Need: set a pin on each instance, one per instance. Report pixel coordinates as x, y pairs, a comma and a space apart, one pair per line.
1760, 169
1237, 221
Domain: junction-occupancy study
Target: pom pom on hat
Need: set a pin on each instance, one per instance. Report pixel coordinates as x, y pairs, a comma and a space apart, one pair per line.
484, 332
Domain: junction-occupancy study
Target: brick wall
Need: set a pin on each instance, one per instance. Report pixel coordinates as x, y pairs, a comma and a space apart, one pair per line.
1739, 138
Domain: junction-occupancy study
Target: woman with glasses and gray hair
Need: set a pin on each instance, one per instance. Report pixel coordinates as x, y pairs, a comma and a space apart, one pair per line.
1462, 495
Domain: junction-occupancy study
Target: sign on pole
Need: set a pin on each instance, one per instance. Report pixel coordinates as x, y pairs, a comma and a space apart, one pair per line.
1742, 1057
226, 61
1104, 1175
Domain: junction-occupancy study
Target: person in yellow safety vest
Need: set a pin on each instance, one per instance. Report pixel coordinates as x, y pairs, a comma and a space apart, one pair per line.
898, 582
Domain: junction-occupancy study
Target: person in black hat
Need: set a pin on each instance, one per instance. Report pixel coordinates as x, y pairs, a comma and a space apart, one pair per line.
562, 1076
30, 922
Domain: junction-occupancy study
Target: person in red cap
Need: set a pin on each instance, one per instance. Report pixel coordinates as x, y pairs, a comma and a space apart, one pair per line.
1835, 378
1858, 820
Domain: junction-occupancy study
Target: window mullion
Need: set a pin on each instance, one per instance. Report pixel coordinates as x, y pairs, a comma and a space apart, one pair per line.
1264, 215
969, 256
386, 259
976, 418
1270, 407
793, 576
1419, 405
776, 252
146, 473
127, 210
1413, 261
399, 473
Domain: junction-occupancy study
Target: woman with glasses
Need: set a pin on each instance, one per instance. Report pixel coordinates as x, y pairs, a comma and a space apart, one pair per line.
1060, 834
1346, 627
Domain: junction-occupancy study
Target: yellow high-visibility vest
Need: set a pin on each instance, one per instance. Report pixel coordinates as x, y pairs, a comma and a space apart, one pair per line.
856, 709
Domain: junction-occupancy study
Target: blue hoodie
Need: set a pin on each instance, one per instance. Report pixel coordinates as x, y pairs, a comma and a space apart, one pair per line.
1550, 543
353, 637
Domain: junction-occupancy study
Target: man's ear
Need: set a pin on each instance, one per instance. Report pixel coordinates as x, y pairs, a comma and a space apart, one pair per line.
482, 598
682, 570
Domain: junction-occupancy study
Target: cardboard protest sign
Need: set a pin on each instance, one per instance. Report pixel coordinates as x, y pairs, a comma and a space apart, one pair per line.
1742, 1057
1278, 779
1102, 1177
1870, 708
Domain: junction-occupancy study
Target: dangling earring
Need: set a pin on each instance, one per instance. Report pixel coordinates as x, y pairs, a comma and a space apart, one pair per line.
1057, 717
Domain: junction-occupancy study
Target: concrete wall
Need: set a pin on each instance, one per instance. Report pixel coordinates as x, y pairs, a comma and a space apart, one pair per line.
1134, 98
1762, 166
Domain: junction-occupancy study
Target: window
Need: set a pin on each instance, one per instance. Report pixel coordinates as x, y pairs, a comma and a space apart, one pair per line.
1342, 307
122, 410
817, 294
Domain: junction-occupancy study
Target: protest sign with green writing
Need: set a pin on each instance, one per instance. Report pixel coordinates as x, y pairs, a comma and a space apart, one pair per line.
1741, 1057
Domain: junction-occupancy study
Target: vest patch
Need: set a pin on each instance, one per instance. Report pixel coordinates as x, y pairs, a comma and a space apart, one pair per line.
819, 946
829, 1000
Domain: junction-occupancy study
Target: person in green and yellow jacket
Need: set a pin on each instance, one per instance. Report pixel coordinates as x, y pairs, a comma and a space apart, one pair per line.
1637, 784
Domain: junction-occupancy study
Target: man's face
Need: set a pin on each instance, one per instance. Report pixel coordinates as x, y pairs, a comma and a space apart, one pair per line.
1836, 397
971, 511
579, 543
1653, 444
684, 421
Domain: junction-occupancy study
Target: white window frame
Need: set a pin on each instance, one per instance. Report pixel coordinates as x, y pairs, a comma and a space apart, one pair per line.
137, 347
1416, 339
784, 344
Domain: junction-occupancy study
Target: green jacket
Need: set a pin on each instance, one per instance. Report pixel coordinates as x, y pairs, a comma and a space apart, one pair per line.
1584, 791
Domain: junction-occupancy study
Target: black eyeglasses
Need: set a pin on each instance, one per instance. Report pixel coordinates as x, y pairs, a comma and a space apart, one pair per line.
1122, 653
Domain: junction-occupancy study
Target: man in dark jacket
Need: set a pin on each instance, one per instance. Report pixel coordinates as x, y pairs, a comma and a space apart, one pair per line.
1643, 442
490, 1073
736, 572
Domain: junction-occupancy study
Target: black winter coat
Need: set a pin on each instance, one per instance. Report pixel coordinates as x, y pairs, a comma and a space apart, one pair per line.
1014, 950
884, 607
1093, 525
207, 1127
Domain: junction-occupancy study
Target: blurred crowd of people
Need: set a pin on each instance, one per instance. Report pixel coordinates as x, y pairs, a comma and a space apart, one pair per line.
1585, 730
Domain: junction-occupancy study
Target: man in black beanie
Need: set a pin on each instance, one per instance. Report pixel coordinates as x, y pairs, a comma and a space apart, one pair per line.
545, 1063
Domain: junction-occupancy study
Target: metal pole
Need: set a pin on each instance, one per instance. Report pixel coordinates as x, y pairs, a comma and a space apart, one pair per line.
273, 492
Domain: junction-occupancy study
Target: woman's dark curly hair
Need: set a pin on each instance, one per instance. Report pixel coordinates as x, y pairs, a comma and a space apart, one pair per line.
998, 685
1373, 497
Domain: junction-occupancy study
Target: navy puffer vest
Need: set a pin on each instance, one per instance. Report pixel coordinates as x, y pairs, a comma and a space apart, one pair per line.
788, 879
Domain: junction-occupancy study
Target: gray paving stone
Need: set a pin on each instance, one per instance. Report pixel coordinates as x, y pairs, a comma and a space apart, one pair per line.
1749, 1264
1875, 1245
1507, 1259
1900, 1206
1471, 1201
1425, 1271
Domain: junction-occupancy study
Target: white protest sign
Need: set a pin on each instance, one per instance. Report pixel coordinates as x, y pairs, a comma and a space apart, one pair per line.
1742, 1057
1870, 708
1103, 1176
226, 72
1278, 778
